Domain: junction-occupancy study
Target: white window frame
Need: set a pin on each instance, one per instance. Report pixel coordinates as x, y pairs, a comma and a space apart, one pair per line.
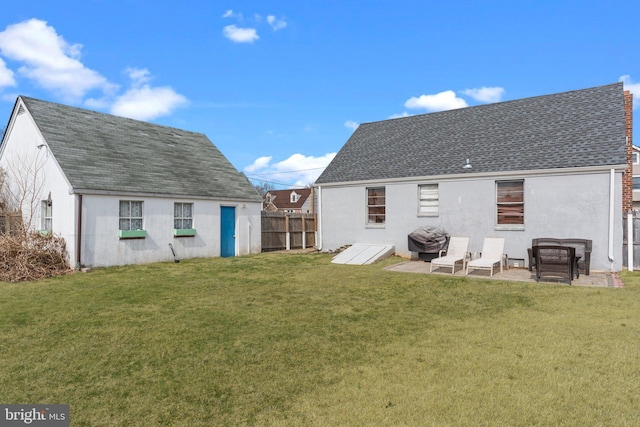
182, 218
429, 200
128, 216
506, 204
635, 158
47, 215
376, 211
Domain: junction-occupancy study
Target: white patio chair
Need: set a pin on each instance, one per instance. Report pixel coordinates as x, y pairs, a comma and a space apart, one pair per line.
492, 254
456, 251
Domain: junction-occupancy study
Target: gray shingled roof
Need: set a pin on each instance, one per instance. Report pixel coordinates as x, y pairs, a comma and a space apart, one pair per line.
564, 130
101, 152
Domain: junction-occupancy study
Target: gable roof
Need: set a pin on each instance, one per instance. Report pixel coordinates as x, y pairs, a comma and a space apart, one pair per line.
571, 129
282, 198
105, 153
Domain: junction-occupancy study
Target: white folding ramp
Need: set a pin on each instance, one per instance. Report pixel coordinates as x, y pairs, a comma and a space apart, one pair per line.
364, 253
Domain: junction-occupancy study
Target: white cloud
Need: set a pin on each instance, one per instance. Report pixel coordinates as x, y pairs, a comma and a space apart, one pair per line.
446, 100
138, 76
485, 94
351, 124
276, 24
147, 103
260, 163
240, 35
6, 75
142, 101
231, 14
399, 115
633, 87
49, 60
296, 171
55, 65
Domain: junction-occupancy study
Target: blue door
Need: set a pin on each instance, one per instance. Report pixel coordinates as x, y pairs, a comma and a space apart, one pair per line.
227, 231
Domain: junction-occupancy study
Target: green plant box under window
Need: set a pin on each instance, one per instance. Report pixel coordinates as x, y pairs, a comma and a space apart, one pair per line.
133, 234
182, 232
44, 232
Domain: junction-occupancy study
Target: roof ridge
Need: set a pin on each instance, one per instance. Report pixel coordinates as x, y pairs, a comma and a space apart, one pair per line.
101, 113
529, 98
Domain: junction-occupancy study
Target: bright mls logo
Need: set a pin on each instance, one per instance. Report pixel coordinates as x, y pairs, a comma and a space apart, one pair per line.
34, 415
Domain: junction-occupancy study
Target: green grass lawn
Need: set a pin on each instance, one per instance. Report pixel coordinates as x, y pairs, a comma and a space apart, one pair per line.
277, 339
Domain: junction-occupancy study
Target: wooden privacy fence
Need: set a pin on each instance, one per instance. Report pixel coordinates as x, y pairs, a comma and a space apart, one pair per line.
285, 231
10, 223
635, 220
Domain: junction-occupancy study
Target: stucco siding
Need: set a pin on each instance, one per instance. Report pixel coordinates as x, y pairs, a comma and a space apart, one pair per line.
33, 174
559, 205
32, 168
103, 247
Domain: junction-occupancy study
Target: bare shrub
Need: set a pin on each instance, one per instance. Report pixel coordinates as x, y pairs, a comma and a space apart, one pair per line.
30, 255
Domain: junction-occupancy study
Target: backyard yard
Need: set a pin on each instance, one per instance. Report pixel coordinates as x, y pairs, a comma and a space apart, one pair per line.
282, 339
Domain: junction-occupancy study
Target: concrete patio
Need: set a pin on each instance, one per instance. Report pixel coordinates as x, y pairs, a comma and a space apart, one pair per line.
595, 279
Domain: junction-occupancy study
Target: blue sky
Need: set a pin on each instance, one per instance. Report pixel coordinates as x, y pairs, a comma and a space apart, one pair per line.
279, 86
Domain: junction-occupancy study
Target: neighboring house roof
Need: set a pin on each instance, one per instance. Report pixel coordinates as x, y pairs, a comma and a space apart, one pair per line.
104, 153
582, 128
282, 198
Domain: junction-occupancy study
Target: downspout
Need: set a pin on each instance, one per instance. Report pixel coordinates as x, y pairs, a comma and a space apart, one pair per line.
319, 227
611, 214
249, 235
630, 241
79, 235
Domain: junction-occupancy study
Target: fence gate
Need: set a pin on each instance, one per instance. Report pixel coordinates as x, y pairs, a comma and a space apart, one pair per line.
636, 238
285, 231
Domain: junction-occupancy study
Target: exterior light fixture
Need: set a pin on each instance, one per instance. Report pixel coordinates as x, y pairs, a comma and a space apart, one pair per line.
467, 165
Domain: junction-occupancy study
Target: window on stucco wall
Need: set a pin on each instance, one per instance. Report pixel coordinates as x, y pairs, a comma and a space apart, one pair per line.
510, 203
130, 215
182, 216
429, 200
376, 205
47, 215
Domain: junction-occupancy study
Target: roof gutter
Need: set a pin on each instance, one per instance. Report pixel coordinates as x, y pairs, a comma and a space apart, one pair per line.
482, 175
91, 192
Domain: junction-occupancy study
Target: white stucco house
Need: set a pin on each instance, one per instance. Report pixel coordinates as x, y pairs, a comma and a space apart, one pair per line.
547, 166
120, 191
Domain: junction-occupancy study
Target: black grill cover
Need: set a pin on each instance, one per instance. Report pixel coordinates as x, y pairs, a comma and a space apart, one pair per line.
428, 239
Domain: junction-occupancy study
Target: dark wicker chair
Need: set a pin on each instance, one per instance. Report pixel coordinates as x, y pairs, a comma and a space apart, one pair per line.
555, 262
582, 247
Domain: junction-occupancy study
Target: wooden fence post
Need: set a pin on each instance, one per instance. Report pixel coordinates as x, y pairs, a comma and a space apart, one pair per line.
304, 232
286, 229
